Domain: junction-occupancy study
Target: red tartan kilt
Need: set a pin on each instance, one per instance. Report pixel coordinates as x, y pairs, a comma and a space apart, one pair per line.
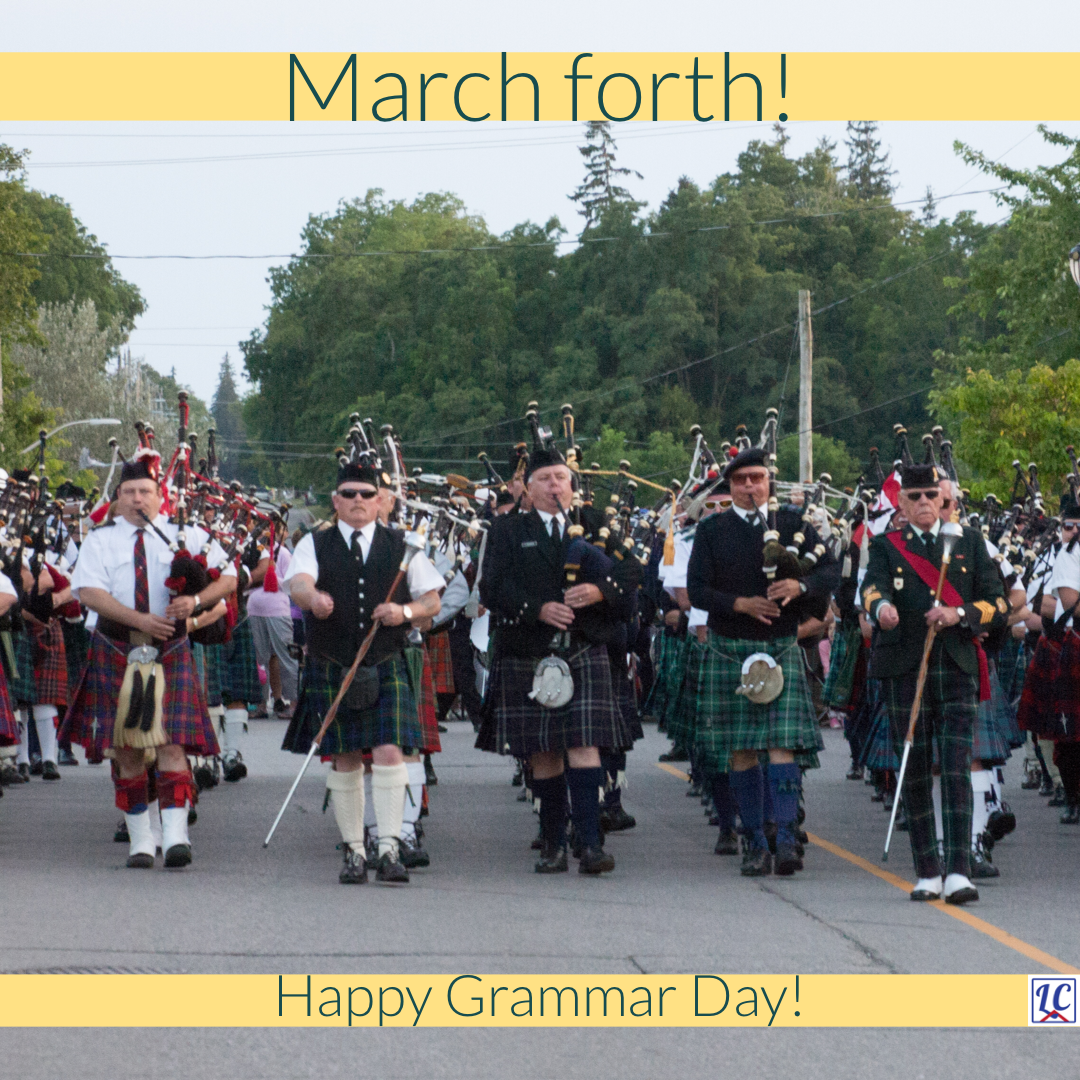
90, 717
442, 667
50, 671
9, 724
429, 722
1050, 701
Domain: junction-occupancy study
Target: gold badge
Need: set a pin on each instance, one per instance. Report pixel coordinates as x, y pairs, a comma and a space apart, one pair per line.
1001, 605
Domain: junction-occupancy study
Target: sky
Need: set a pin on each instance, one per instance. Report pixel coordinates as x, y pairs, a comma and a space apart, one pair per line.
199, 189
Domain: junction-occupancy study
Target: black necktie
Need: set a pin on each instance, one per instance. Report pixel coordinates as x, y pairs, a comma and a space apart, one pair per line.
355, 548
556, 535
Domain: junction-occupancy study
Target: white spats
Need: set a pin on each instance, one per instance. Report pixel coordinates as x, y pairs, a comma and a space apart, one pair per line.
23, 755
173, 827
233, 726
140, 834
414, 800
957, 885
154, 813
347, 798
982, 794
388, 784
45, 722
931, 886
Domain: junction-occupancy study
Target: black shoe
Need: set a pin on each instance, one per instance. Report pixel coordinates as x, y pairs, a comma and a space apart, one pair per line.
878, 796
24, 772
233, 768
390, 871
963, 896
142, 861
982, 867
1058, 797
788, 860
412, 855
518, 779
442, 728
714, 819
1032, 776
177, 856
10, 775
855, 772
1071, 815
924, 896
594, 860
121, 835
616, 819
192, 815
676, 753
66, 757
523, 795
770, 836
757, 862
538, 840
552, 860
1047, 787
204, 777
283, 710
354, 871
727, 844
1001, 822
429, 772
35, 765
49, 771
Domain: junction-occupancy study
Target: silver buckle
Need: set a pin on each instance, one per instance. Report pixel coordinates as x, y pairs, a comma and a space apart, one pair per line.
144, 654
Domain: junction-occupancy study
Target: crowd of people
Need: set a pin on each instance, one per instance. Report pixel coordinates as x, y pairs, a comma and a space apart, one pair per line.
739, 612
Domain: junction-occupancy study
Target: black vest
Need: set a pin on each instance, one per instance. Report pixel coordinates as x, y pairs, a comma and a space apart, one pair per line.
357, 590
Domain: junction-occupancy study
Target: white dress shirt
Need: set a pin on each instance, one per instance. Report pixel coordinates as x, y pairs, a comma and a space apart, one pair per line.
546, 518
107, 560
422, 577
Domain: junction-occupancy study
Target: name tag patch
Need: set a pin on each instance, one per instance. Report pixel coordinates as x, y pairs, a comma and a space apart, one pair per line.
897, 583
528, 543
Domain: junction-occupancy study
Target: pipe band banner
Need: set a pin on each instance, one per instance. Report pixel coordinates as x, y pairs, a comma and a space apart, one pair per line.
708, 87
985, 1001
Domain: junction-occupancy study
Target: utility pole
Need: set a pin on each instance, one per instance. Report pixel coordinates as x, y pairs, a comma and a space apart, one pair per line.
806, 389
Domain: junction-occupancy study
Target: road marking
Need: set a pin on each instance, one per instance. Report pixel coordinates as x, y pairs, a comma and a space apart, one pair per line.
1002, 937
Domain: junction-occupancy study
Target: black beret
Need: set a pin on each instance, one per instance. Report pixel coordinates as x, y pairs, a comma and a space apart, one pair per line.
918, 476
503, 498
744, 459
541, 459
136, 470
1069, 509
353, 472
22, 475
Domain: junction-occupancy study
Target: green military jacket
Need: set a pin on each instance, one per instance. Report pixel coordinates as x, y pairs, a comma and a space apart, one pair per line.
890, 579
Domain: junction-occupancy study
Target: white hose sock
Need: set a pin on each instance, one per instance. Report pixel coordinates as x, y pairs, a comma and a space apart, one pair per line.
388, 784
45, 721
347, 798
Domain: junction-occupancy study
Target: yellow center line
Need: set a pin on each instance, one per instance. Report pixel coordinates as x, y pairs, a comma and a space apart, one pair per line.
1002, 937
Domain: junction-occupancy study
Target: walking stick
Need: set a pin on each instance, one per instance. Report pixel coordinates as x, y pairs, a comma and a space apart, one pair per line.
950, 534
412, 546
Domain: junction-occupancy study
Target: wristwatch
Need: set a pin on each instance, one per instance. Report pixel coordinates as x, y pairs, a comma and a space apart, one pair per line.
407, 612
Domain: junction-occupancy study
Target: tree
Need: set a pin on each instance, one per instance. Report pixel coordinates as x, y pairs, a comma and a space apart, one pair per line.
228, 422
868, 170
599, 192
1021, 415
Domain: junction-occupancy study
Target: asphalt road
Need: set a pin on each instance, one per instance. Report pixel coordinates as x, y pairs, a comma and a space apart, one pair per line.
68, 904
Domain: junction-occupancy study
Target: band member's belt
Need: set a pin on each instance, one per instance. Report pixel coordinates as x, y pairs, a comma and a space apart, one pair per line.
130, 636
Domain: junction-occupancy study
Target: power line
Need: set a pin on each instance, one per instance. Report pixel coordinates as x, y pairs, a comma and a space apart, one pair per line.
499, 246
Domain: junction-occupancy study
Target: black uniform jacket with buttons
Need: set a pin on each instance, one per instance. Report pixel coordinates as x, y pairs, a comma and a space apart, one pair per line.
524, 568
891, 580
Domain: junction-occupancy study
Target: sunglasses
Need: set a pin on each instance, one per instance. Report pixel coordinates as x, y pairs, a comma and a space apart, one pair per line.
1070, 525
915, 496
351, 493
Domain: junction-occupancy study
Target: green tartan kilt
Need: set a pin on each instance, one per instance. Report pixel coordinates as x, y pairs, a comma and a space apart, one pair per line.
674, 675
664, 646
239, 669
392, 721
683, 721
728, 722
843, 659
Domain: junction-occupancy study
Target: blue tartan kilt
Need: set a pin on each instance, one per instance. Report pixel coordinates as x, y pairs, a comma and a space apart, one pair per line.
995, 733
521, 727
239, 671
1012, 665
623, 689
392, 721
876, 750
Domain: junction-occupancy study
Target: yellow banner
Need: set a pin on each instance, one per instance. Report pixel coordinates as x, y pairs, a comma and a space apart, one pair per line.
490, 87
537, 1000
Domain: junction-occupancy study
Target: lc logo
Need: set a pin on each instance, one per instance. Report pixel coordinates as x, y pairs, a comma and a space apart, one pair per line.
1053, 1001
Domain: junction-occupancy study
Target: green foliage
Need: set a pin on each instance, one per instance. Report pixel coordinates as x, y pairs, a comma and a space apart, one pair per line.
830, 456
18, 232
230, 439
660, 459
1020, 415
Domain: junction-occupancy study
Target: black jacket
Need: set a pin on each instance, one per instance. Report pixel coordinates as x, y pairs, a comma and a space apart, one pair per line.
525, 569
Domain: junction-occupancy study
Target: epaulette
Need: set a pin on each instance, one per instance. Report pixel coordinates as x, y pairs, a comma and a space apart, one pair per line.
688, 532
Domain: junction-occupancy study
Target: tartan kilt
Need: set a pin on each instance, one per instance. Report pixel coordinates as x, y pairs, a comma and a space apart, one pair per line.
1050, 701
9, 723
437, 647
843, 660
521, 727
50, 669
727, 722
420, 679
682, 720
92, 712
392, 721
239, 670
662, 647
23, 686
875, 749
1012, 666
76, 648
623, 689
